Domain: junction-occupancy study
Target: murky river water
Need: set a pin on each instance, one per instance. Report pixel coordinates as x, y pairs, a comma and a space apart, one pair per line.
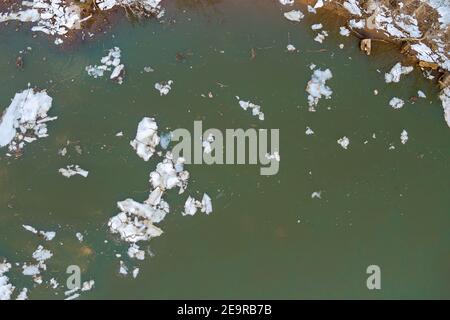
267, 238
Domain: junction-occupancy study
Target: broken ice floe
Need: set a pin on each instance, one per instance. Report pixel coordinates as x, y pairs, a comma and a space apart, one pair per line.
111, 63
352, 6
79, 236
396, 103
191, 205
23, 295
316, 195
286, 2
148, 7
396, 72
309, 131
146, 138
317, 87
445, 98
135, 253
256, 109
207, 144
321, 36
164, 87
25, 120
48, 235
72, 170
136, 220
421, 94
52, 17
294, 15
343, 31
404, 137
34, 270
291, 48
344, 142
6, 288
316, 26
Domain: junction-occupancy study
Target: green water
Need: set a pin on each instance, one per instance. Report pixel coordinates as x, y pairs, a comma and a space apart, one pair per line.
266, 237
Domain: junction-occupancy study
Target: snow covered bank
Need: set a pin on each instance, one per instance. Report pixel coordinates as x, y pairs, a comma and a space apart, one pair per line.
58, 17
25, 120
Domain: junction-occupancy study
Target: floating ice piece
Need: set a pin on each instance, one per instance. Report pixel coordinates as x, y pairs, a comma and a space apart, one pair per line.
396, 103
396, 72
111, 63
404, 137
286, 2
344, 142
135, 252
165, 139
149, 7
25, 119
321, 36
135, 221
316, 195
23, 295
343, 31
352, 7
6, 288
48, 235
316, 26
41, 254
421, 94
87, 285
169, 174
164, 87
53, 283
72, 170
207, 144
319, 4
309, 131
52, 17
148, 69
146, 138
135, 272
357, 24
79, 236
123, 268
290, 48
317, 88
206, 204
445, 99
294, 15
191, 205
256, 109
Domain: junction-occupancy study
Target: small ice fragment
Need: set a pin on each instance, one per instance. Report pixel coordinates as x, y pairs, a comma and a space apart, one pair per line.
344, 142
309, 131
72, 170
123, 268
343, 31
404, 137
396, 103
79, 236
135, 272
164, 87
146, 138
421, 94
290, 48
316, 195
396, 72
294, 15
316, 26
